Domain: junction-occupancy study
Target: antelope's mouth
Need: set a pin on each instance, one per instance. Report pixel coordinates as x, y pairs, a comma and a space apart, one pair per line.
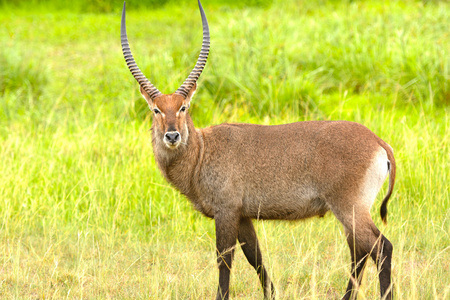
171, 144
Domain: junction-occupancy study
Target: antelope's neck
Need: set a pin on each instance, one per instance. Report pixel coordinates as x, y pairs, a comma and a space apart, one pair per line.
181, 166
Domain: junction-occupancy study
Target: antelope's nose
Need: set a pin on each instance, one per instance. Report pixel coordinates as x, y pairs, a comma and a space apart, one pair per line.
172, 136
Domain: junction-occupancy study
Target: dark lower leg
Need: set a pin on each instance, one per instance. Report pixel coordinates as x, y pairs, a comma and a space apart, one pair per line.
226, 233
380, 249
364, 238
383, 259
224, 283
359, 258
358, 264
249, 243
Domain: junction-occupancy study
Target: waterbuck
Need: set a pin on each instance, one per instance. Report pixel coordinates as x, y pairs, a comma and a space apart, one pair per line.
234, 173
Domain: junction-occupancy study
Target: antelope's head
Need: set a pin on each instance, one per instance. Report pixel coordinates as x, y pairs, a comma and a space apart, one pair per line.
170, 112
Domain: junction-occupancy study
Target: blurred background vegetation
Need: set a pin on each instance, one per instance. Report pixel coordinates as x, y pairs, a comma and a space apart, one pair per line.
84, 211
105, 6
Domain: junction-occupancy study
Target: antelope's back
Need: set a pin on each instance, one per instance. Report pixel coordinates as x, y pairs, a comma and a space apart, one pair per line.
288, 169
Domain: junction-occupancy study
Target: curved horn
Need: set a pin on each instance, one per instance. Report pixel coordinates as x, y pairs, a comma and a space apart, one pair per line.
195, 73
137, 73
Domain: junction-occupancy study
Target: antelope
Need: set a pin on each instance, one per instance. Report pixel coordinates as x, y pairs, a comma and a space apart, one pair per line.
234, 173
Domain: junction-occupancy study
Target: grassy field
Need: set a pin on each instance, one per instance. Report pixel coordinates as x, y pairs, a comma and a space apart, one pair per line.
84, 212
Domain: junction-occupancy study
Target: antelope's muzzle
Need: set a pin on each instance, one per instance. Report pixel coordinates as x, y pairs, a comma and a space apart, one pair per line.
172, 139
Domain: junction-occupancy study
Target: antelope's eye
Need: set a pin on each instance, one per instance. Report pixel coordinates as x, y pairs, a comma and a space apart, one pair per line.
156, 111
183, 108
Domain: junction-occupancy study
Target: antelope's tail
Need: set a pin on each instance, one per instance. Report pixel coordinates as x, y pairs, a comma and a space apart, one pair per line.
392, 170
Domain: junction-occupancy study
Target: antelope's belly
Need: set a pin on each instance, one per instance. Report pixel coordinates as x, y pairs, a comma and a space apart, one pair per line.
287, 206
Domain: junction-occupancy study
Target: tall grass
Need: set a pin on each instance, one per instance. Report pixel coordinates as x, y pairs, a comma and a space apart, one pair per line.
84, 212
108, 6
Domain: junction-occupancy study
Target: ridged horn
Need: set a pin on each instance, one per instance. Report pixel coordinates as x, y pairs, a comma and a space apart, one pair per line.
134, 69
195, 73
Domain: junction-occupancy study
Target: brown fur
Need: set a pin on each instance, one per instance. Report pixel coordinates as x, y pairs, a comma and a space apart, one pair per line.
237, 172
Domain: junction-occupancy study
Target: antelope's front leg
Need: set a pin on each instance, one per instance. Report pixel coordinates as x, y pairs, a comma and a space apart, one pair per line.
227, 226
249, 244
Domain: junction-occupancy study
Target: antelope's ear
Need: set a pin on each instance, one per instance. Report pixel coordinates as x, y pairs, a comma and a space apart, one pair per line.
191, 93
145, 95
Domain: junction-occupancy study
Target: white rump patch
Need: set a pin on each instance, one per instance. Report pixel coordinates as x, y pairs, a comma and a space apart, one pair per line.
375, 176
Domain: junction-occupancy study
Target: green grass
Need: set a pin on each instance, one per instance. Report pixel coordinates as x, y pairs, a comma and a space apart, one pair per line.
84, 212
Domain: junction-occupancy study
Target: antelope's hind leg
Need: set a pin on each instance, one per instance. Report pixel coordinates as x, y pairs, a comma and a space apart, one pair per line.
359, 258
352, 208
250, 245
365, 240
